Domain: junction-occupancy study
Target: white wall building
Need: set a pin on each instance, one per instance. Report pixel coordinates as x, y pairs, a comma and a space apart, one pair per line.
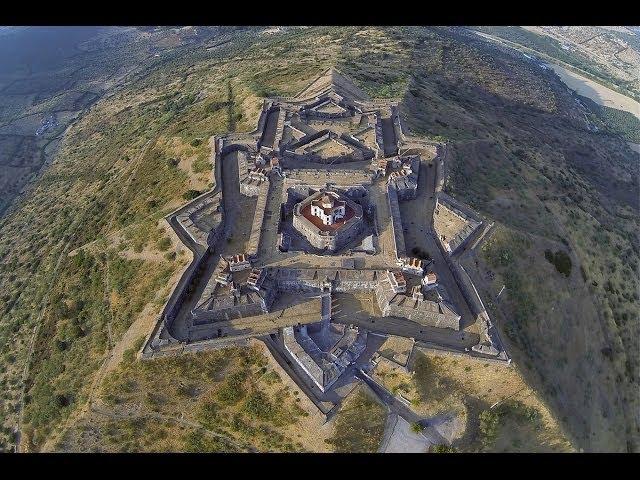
328, 208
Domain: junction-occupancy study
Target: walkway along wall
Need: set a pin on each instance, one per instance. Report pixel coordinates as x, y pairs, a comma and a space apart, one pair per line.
396, 223
161, 336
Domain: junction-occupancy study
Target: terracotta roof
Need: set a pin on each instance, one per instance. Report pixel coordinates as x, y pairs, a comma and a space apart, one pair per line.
238, 258
398, 277
414, 263
328, 203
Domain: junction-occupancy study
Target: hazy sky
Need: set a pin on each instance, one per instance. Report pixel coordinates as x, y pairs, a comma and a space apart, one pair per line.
40, 47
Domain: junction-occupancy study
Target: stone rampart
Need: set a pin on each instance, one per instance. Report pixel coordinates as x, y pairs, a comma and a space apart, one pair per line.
258, 219
423, 314
251, 306
396, 222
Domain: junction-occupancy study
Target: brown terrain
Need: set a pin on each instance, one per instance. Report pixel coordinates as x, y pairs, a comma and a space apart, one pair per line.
520, 151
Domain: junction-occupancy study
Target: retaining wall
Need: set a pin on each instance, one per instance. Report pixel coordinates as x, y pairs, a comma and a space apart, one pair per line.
396, 222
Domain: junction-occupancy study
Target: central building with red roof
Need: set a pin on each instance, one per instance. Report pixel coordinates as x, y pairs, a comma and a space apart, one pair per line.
328, 219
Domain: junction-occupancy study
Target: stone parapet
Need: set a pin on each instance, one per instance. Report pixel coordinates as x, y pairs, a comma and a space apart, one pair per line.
396, 223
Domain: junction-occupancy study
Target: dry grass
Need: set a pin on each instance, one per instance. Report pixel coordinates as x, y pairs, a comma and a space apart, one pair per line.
397, 349
359, 425
231, 394
446, 223
468, 387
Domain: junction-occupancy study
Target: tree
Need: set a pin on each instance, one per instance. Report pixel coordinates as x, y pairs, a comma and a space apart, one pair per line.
191, 194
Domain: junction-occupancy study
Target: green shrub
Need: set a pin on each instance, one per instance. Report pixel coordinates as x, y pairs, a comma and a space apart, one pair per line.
129, 355
232, 390
359, 425
271, 378
191, 194
259, 406
489, 424
163, 244
215, 106
208, 415
201, 165
443, 449
560, 260
198, 442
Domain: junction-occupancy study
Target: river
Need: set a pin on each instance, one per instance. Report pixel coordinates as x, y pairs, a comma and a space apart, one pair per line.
596, 92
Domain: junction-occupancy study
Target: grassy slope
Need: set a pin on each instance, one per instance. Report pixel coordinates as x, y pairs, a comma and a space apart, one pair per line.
471, 387
219, 401
519, 154
115, 176
359, 425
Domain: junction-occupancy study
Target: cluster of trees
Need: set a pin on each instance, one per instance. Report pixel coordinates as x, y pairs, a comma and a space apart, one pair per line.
618, 122
492, 419
560, 260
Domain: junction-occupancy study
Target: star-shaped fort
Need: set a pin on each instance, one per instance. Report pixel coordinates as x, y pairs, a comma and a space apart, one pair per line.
327, 234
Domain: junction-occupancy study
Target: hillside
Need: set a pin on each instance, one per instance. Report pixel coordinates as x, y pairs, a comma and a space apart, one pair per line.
533, 164
609, 55
87, 261
49, 77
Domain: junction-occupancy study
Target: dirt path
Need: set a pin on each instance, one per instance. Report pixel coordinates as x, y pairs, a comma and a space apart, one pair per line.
99, 375
158, 416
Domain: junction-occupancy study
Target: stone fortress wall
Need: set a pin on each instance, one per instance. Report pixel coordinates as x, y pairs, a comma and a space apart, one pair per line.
405, 180
323, 240
202, 219
391, 300
424, 312
317, 280
193, 235
240, 298
396, 222
268, 138
327, 239
324, 368
321, 177
305, 149
160, 337
258, 220
470, 219
228, 307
